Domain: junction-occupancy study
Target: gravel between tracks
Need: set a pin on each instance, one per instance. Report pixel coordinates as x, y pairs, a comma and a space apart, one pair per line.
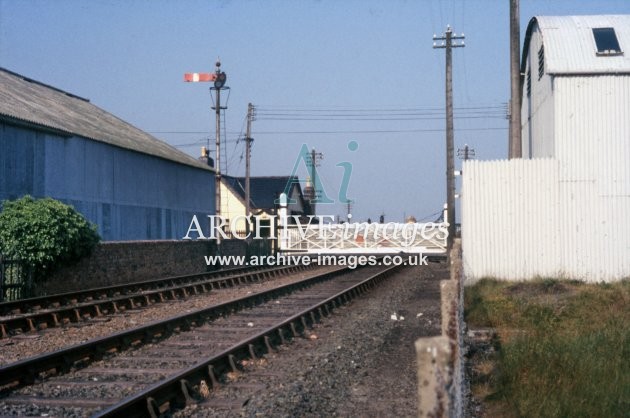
28, 345
359, 362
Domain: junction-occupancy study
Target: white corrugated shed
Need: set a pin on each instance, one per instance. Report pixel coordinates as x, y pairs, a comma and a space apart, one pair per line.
576, 110
538, 108
520, 221
564, 46
570, 46
592, 144
592, 131
510, 219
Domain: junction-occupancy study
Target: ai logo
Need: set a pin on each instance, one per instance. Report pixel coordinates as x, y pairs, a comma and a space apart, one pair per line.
307, 158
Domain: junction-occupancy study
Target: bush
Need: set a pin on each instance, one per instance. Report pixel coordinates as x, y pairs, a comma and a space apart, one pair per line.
44, 233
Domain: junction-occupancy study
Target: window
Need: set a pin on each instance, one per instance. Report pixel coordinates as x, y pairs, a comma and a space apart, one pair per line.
606, 41
529, 82
541, 61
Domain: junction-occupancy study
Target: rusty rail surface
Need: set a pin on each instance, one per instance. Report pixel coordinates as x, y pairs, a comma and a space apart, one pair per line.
58, 310
28, 370
182, 386
181, 389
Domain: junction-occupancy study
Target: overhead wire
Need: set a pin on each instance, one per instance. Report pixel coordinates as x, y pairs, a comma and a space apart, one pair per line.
200, 141
372, 109
463, 28
238, 141
380, 114
497, 128
431, 216
190, 144
374, 119
348, 114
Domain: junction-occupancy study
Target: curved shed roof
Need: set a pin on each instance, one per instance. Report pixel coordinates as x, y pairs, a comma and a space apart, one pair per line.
29, 102
570, 45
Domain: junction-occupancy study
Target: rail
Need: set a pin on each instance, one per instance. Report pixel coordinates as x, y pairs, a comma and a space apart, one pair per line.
58, 310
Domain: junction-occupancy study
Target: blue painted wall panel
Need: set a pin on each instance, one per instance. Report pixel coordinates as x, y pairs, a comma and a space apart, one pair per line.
54, 165
74, 177
17, 155
129, 195
39, 167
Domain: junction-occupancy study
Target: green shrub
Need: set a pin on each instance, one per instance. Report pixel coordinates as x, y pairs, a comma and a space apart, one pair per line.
44, 233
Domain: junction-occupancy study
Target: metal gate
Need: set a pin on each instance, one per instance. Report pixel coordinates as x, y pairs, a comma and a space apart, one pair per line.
16, 280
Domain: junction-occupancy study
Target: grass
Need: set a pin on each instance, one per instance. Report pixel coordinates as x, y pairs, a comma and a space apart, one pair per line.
563, 347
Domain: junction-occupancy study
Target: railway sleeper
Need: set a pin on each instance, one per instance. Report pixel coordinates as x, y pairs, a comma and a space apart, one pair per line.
153, 408
212, 376
188, 391
248, 350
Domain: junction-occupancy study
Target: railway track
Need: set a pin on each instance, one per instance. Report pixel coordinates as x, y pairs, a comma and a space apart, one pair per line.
32, 315
165, 365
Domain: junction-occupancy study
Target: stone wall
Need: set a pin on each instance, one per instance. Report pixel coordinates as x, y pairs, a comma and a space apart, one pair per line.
441, 385
114, 263
236, 247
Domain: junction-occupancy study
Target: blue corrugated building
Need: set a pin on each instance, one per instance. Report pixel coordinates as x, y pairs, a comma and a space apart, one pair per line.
129, 183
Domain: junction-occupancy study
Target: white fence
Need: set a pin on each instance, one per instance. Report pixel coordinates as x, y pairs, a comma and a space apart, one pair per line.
428, 238
524, 218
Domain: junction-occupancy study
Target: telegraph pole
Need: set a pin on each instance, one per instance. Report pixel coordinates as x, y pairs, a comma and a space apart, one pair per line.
315, 157
466, 153
248, 152
448, 44
516, 149
349, 209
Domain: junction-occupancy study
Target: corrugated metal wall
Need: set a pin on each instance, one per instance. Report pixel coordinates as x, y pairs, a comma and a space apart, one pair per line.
129, 195
578, 113
593, 147
509, 219
525, 218
537, 110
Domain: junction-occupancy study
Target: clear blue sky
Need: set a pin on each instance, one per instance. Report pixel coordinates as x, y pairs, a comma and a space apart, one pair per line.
336, 61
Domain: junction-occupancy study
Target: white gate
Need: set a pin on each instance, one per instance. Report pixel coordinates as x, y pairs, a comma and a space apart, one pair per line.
426, 238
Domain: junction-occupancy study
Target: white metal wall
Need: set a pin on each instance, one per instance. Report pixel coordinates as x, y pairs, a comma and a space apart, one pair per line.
509, 219
593, 131
579, 114
593, 147
537, 110
524, 218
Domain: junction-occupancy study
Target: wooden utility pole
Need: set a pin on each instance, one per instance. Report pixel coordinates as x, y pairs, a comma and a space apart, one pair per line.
248, 153
448, 44
466, 153
315, 157
516, 149
349, 210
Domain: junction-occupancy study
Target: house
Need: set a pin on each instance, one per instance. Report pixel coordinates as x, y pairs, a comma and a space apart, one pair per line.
564, 209
263, 194
130, 184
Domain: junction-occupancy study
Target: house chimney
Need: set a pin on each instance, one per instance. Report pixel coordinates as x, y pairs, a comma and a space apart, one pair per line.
309, 190
205, 158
